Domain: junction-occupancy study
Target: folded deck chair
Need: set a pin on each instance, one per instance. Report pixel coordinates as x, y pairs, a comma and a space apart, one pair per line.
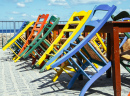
39, 44
20, 29
125, 55
119, 16
40, 22
73, 25
94, 54
18, 40
15, 47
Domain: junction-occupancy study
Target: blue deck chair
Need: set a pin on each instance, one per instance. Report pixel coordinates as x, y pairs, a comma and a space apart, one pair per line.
94, 54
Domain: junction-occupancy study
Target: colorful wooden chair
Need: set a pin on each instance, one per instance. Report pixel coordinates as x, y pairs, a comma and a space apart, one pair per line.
125, 56
20, 29
41, 21
94, 54
39, 45
18, 39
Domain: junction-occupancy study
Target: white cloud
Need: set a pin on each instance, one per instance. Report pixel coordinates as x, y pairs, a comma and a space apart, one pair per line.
91, 1
21, 4
26, 1
24, 15
58, 2
14, 12
118, 2
55, 15
34, 16
11, 18
128, 10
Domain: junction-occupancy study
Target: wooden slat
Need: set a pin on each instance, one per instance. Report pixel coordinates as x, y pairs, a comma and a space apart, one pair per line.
74, 22
57, 44
50, 55
36, 29
39, 22
69, 30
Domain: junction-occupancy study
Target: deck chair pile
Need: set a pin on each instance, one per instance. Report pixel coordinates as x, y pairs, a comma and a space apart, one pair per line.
60, 41
62, 52
92, 51
39, 45
41, 21
37, 31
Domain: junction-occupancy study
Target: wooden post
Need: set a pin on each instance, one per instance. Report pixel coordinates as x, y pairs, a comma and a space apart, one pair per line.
116, 62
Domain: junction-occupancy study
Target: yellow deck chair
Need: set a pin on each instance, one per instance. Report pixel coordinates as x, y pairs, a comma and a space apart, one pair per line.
14, 40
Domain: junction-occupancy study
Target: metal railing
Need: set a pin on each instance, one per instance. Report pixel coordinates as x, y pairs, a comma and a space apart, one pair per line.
62, 22
9, 28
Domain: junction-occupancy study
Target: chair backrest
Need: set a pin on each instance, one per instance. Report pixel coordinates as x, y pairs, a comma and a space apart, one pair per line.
122, 14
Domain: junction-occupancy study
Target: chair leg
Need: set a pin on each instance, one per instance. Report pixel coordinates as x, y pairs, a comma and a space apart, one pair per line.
76, 75
57, 75
94, 78
59, 72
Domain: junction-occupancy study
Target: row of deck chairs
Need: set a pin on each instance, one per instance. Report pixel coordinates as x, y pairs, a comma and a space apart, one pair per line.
49, 53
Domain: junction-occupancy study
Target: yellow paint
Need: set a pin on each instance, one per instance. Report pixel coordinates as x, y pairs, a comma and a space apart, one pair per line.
13, 51
74, 32
70, 69
14, 58
22, 39
60, 71
65, 29
20, 34
17, 45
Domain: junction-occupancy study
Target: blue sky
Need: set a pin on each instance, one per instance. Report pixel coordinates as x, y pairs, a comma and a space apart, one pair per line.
20, 10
